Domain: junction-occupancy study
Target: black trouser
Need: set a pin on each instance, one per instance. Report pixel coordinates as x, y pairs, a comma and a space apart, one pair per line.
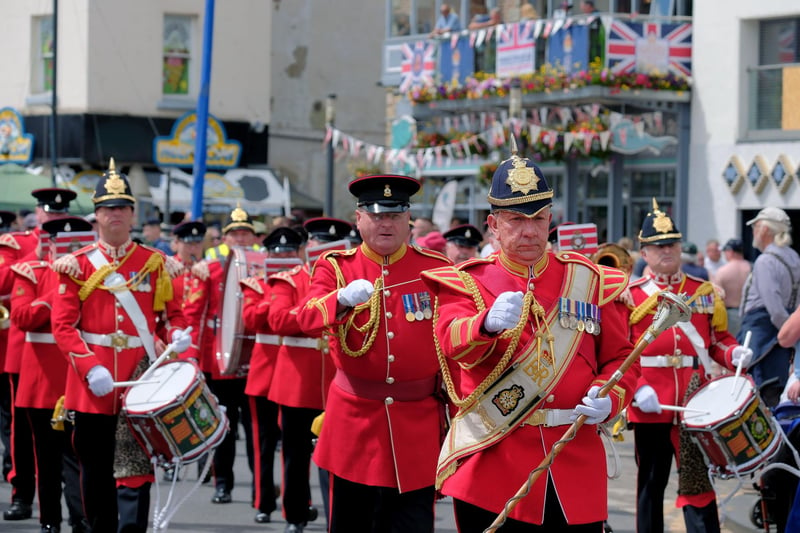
296, 448
473, 519
71, 475
368, 509
230, 393
23, 480
5, 422
654, 453
265, 434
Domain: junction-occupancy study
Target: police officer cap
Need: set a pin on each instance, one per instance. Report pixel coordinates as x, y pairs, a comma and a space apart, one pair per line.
519, 185
326, 229
54, 200
658, 228
239, 219
66, 225
113, 189
464, 235
384, 193
6, 219
193, 231
283, 239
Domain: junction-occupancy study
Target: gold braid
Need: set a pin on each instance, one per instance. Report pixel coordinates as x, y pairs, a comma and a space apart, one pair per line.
374, 305
515, 334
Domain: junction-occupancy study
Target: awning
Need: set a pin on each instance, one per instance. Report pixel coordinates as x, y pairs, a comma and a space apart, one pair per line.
16, 184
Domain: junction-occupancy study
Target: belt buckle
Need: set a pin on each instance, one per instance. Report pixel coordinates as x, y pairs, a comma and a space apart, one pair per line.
537, 418
322, 344
675, 361
119, 341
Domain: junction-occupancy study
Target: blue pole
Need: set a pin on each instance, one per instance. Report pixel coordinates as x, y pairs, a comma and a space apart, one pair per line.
199, 169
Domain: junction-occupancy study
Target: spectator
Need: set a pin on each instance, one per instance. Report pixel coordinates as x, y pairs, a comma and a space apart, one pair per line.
714, 258
689, 260
769, 294
494, 18
447, 22
528, 12
588, 7
422, 226
462, 243
731, 278
151, 234
433, 241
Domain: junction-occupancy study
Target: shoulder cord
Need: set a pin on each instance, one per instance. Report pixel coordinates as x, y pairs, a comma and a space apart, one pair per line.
514, 334
374, 305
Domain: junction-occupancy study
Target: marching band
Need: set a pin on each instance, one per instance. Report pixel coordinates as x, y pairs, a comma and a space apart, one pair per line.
405, 374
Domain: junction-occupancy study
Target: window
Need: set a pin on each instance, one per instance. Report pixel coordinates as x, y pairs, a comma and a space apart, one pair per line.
775, 81
177, 60
42, 67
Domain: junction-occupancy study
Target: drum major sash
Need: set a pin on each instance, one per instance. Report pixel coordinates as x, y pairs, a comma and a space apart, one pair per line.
526, 382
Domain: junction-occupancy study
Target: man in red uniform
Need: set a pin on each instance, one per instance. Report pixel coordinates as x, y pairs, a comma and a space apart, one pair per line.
305, 369
674, 365
108, 298
42, 378
462, 243
203, 310
51, 203
7, 219
383, 418
534, 335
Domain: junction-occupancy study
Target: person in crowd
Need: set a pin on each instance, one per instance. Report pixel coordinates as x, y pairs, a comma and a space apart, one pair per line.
788, 337
690, 263
433, 241
447, 22
7, 225
731, 278
234, 235
421, 227
714, 258
213, 236
382, 403
502, 321
674, 365
769, 295
151, 234
43, 375
462, 243
494, 18
588, 7
111, 295
528, 12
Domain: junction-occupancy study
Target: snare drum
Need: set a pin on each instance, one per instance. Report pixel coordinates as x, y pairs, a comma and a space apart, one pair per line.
233, 346
734, 430
176, 416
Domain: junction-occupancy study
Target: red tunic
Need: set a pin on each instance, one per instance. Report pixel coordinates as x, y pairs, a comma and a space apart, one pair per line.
369, 437
305, 372
13, 248
490, 476
43, 370
264, 354
101, 314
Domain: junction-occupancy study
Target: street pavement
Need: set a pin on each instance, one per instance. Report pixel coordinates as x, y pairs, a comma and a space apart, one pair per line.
199, 515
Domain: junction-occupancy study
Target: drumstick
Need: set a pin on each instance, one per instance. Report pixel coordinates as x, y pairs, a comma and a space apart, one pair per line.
680, 409
167, 351
132, 383
739, 366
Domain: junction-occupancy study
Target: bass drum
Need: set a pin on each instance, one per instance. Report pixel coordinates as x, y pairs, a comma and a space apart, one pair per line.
234, 345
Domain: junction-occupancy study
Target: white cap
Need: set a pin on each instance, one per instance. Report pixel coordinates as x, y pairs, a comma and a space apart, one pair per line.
774, 214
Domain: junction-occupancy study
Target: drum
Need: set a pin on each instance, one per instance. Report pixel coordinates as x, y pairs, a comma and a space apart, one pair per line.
234, 347
174, 415
733, 429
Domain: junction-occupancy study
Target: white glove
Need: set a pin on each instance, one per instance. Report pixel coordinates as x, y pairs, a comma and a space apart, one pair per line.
647, 400
357, 292
181, 341
505, 312
100, 380
741, 355
596, 409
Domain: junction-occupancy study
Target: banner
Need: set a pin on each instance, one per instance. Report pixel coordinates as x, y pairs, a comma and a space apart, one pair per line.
418, 65
457, 60
569, 47
577, 237
515, 50
651, 47
444, 205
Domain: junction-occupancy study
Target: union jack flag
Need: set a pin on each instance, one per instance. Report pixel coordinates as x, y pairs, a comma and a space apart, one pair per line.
649, 47
515, 49
418, 65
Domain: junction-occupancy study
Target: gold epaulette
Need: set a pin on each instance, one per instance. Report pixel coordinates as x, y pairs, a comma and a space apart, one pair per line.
25, 269
174, 267
431, 253
449, 276
469, 263
67, 264
612, 282
252, 282
200, 270
6, 239
331, 256
286, 275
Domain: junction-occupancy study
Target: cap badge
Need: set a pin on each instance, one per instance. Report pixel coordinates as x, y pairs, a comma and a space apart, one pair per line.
57, 198
67, 227
468, 234
387, 191
239, 215
114, 184
661, 222
521, 178
332, 230
283, 239
194, 231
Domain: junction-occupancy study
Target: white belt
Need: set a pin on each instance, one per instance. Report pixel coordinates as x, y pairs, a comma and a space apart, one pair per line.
43, 338
306, 342
666, 361
549, 417
112, 340
263, 338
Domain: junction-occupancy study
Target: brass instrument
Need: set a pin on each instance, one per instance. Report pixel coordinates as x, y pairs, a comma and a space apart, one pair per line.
613, 255
4, 317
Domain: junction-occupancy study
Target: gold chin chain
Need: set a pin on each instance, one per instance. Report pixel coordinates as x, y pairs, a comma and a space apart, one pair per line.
372, 325
529, 305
